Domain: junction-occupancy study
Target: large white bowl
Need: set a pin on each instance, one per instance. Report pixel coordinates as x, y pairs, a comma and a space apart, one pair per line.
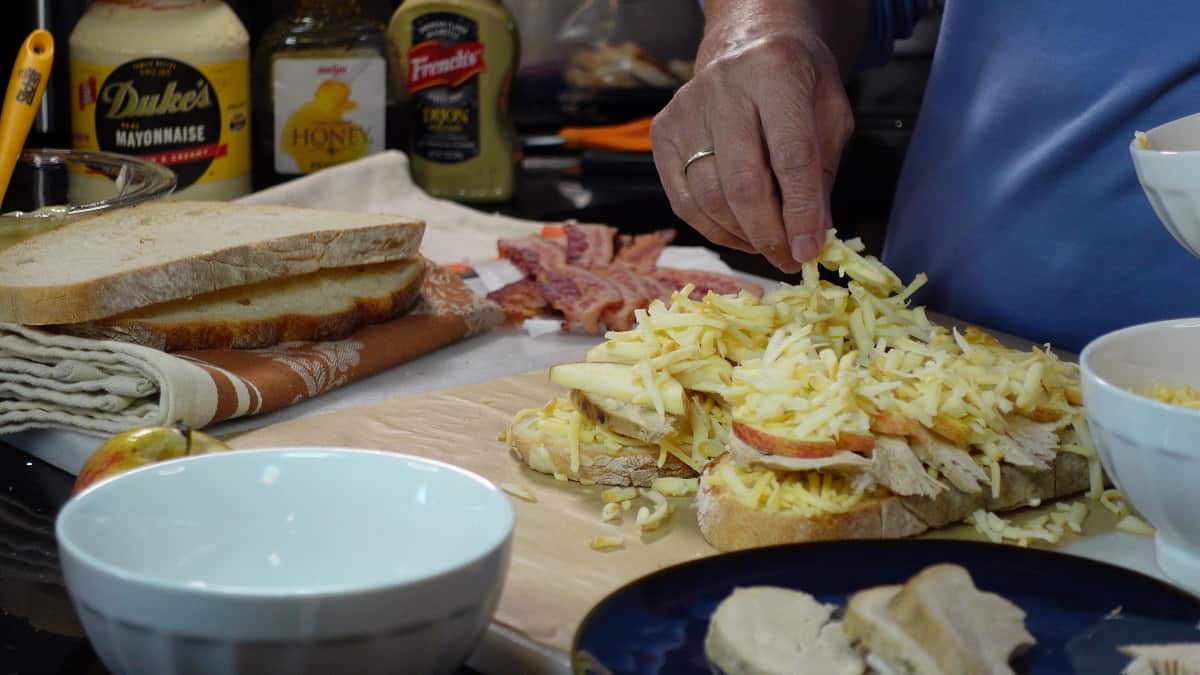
1169, 172
301, 560
1150, 450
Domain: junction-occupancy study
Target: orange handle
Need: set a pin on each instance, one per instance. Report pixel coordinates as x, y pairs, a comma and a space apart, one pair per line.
21, 101
629, 137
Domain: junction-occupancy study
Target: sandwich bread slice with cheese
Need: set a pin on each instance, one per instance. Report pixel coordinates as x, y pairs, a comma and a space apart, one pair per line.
206, 275
819, 411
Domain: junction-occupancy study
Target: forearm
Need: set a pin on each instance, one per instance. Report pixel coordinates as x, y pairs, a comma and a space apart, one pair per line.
841, 24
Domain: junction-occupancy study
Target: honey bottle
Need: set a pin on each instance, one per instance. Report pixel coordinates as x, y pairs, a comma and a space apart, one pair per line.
322, 94
455, 62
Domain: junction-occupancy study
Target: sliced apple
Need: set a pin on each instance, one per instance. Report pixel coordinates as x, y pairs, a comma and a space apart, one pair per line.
895, 425
953, 429
863, 444
621, 382
1040, 414
772, 444
712, 377
613, 351
626, 419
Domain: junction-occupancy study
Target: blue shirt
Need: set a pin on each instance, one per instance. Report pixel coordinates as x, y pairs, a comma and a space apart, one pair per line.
1018, 196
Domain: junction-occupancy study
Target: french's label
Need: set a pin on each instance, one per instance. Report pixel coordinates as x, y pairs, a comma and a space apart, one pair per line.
443, 68
327, 111
193, 119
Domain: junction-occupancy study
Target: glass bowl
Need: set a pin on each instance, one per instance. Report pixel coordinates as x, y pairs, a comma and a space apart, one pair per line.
50, 187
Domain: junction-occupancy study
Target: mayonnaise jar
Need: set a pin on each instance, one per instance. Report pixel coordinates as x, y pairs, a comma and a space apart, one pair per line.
167, 80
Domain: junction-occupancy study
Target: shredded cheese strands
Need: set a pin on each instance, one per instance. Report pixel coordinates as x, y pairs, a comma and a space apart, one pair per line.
814, 361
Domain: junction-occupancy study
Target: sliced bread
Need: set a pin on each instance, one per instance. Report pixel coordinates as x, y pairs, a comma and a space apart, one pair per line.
729, 524
632, 465
323, 305
110, 263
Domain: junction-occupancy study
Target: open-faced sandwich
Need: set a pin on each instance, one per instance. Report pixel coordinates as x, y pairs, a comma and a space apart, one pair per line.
818, 411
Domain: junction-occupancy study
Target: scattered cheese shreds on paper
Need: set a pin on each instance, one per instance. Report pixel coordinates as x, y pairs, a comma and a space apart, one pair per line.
519, 491
607, 543
1134, 525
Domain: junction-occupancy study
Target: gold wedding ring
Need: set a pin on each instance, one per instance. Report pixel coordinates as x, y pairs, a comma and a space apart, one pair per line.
708, 152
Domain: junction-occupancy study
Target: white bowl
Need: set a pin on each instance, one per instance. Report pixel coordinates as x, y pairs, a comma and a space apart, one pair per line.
1169, 172
1150, 449
298, 560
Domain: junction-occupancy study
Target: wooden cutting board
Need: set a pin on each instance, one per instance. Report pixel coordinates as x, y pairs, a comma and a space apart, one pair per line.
555, 577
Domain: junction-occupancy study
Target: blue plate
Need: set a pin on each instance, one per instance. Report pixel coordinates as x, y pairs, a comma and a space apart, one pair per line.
657, 623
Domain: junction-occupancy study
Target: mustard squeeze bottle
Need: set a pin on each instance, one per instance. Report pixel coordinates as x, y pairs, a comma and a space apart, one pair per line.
455, 62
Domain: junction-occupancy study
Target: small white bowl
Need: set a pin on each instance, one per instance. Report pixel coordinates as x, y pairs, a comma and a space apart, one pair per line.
1150, 449
282, 561
1169, 171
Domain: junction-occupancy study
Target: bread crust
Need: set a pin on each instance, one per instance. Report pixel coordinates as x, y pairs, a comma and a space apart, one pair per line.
633, 466
27, 297
729, 525
346, 316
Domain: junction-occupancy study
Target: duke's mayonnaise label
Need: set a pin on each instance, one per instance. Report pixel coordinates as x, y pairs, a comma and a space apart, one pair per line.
195, 119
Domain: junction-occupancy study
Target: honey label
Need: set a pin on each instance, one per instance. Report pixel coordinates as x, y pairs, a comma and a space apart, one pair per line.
193, 119
443, 69
327, 111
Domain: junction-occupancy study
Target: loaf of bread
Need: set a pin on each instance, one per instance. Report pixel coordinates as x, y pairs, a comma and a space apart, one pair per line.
104, 265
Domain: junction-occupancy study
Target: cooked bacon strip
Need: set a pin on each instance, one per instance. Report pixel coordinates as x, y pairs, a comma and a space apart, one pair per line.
590, 245
642, 251
636, 291
580, 295
721, 284
519, 300
532, 254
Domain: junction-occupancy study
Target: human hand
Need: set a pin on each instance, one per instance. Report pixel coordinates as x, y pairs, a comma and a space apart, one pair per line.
767, 98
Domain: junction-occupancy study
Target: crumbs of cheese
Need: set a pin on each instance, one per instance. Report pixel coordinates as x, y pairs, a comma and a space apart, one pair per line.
1115, 502
606, 543
647, 519
809, 493
675, 487
1134, 525
617, 494
519, 491
610, 512
1181, 395
1142, 140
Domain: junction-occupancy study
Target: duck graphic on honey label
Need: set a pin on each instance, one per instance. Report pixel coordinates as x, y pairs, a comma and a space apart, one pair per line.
327, 112
317, 136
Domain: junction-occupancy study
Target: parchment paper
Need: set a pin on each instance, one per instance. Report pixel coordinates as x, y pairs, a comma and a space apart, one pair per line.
555, 577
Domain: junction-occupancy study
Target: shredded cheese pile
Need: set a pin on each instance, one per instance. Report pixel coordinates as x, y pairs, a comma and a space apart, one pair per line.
1182, 395
817, 362
808, 493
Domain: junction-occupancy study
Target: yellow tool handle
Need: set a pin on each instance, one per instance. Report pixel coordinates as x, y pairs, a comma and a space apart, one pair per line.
21, 101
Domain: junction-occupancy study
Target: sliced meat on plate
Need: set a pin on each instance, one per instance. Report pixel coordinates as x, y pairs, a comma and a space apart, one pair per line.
721, 284
642, 250
520, 300
580, 295
532, 254
590, 245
